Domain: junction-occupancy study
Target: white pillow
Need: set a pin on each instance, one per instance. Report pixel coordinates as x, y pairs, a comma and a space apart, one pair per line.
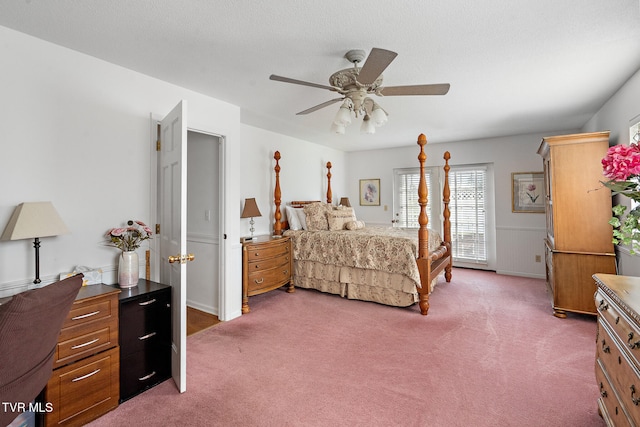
302, 217
292, 218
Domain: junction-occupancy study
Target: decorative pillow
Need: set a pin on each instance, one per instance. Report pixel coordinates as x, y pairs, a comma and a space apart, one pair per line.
316, 214
302, 217
292, 218
354, 225
337, 218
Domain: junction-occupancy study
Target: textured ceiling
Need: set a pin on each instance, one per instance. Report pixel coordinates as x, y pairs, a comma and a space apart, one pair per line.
514, 66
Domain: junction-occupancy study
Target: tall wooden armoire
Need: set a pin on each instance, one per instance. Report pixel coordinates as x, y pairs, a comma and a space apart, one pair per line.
578, 209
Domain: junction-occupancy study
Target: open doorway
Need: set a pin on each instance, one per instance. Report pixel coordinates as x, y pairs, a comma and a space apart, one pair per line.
203, 229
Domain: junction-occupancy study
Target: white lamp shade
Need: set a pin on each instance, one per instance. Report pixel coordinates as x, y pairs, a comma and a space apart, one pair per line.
378, 116
367, 125
343, 116
337, 129
34, 219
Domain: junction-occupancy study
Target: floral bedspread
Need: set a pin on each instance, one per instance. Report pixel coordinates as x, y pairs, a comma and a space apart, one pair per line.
388, 249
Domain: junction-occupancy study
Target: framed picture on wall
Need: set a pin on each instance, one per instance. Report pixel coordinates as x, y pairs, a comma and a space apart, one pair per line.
370, 192
527, 192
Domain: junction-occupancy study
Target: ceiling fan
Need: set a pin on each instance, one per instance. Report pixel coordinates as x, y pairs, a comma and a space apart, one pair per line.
357, 83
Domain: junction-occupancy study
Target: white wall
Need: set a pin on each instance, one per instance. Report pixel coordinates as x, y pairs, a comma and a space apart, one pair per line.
519, 236
302, 175
76, 131
615, 116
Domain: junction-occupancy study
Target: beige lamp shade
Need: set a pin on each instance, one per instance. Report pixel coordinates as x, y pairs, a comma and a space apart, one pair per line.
34, 219
344, 201
250, 209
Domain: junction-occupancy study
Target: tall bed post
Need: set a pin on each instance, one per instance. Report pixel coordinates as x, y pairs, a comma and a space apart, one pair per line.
329, 195
446, 213
277, 194
424, 264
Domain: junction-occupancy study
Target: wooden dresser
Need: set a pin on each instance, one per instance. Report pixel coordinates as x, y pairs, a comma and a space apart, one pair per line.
85, 381
267, 264
618, 348
575, 248
145, 337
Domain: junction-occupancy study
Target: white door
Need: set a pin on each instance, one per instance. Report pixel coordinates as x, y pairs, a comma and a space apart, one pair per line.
173, 231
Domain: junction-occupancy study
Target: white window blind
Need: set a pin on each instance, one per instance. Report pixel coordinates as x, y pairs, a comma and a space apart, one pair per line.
468, 213
406, 204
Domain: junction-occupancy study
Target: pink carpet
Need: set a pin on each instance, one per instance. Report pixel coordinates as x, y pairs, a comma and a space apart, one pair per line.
490, 353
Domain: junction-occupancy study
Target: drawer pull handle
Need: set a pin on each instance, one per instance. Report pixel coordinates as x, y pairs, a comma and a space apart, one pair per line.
84, 316
85, 344
634, 399
632, 345
151, 301
260, 280
146, 377
146, 337
285, 272
603, 305
90, 374
603, 392
605, 347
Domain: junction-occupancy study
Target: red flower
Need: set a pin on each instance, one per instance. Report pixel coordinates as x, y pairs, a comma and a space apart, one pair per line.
621, 162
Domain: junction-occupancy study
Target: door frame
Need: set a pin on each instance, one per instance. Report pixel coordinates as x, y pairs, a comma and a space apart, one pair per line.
154, 245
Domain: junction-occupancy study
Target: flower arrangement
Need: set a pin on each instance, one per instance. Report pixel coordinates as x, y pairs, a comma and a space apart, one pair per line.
531, 188
621, 166
129, 238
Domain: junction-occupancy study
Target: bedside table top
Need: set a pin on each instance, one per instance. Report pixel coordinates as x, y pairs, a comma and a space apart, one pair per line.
262, 239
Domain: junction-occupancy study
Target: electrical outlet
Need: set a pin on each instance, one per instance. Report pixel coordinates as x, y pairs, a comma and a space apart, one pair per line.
538, 258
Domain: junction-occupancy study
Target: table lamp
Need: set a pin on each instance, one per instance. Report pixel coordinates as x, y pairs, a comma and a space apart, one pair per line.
344, 201
33, 220
250, 211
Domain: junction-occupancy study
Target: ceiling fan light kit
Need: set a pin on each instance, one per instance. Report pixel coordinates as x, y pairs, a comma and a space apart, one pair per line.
357, 83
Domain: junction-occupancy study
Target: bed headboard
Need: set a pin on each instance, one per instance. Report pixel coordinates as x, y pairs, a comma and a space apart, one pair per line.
279, 226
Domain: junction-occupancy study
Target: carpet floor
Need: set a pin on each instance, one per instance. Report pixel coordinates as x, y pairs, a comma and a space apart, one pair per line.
490, 353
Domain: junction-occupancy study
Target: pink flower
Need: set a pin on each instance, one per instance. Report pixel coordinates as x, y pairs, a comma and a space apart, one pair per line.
117, 232
531, 187
621, 162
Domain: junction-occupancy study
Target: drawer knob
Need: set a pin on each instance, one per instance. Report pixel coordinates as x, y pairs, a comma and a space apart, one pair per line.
634, 399
257, 254
285, 272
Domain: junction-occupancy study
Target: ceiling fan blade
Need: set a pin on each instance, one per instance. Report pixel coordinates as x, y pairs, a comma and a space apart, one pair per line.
319, 106
436, 89
299, 82
376, 63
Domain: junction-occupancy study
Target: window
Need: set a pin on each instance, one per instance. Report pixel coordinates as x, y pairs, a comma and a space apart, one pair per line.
405, 201
468, 213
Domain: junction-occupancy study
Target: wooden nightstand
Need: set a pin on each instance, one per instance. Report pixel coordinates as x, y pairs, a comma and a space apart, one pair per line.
267, 264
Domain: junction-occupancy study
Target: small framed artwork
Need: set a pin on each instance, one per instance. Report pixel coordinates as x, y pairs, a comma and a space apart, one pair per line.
370, 192
527, 192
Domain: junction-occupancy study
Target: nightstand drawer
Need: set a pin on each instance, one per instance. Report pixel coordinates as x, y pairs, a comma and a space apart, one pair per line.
89, 312
268, 278
267, 264
265, 251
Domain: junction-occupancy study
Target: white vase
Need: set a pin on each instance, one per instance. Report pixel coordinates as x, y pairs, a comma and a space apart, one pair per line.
128, 269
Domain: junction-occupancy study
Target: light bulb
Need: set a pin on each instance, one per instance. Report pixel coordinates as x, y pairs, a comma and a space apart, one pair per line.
367, 125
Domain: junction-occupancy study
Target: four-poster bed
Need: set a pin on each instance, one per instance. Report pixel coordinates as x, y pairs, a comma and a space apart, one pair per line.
335, 253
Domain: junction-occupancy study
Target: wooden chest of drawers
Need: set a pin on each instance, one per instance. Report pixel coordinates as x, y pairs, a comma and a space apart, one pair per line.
85, 383
267, 264
618, 348
145, 337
